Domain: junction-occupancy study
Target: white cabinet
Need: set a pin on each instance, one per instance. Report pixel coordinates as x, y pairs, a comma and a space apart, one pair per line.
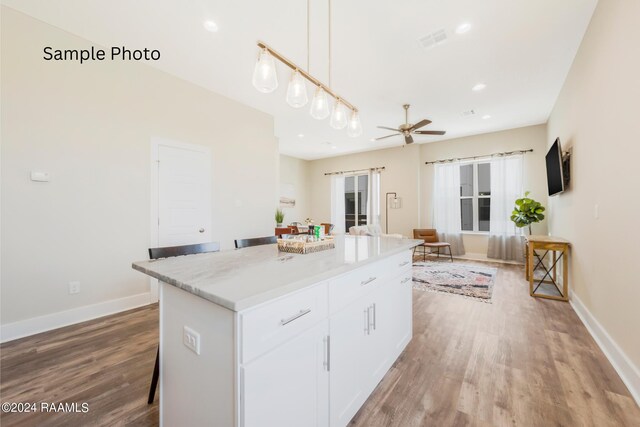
289, 386
367, 336
348, 331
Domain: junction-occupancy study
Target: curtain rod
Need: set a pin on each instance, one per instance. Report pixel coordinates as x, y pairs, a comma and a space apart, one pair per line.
378, 169
504, 153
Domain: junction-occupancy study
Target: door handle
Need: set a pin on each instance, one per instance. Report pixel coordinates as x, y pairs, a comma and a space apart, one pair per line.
403, 264
201, 230
374, 315
366, 321
327, 354
295, 316
406, 279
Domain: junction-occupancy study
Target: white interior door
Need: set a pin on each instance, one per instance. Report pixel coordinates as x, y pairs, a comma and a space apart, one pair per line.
184, 195
180, 195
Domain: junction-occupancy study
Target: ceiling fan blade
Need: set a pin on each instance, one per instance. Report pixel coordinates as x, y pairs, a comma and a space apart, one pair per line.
420, 124
430, 132
388, 136
408, 139
384, 127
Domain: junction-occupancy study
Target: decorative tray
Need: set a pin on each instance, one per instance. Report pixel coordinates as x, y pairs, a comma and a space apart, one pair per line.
296, 246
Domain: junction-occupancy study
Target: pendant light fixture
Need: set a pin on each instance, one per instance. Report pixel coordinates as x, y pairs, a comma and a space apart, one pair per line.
265, 78
319, 105
354, 127
338, 116
343, 115
297, 91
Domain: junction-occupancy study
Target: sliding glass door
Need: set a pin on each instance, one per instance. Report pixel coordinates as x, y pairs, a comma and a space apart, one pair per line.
356, 199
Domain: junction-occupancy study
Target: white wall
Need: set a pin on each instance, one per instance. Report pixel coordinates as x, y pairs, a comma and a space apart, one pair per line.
295, 172
479, 145
401, 175
597, 116
90, 127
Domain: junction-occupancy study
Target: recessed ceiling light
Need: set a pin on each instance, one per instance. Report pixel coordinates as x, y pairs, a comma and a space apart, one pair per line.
478, 87
372, 139
211, 26
333, 147
486, 116
463, 28
301, 135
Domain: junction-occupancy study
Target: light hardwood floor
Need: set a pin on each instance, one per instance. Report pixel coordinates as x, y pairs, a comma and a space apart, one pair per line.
518, 361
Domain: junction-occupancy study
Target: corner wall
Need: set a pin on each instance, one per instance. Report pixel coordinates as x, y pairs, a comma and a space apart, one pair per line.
294, 175
90, 126
596, 116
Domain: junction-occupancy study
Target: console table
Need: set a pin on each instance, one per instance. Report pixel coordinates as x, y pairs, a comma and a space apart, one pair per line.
547, 286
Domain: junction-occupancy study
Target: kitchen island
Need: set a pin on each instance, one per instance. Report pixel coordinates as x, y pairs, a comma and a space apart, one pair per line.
257, 337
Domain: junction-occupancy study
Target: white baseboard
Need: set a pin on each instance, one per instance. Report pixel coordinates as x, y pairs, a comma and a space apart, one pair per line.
35, 325
629, 373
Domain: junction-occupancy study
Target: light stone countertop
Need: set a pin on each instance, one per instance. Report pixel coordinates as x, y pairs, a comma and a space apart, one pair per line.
242, 278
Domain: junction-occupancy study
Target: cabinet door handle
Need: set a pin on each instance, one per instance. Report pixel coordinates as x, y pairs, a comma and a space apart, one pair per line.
369, 280
295, 316
404, 263
327, 354
366, 321
406, 279
374, 315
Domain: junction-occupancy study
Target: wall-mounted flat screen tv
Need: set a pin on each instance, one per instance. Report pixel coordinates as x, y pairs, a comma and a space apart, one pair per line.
555, 172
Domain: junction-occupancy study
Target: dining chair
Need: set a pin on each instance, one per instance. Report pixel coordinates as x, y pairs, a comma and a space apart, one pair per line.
256, 241
169, 252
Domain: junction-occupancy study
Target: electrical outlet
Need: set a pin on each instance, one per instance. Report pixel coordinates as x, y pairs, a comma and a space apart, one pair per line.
74, 288
191, 340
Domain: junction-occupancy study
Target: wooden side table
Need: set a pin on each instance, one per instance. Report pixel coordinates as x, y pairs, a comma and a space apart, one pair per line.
547, 286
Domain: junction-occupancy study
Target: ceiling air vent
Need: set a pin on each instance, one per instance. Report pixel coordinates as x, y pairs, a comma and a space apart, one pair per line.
468, 113
433, 39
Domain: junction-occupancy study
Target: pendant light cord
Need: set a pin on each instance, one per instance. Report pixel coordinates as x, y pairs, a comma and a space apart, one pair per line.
308, 37
330, 86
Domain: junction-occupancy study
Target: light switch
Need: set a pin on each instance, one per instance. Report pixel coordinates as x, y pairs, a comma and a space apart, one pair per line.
40, 176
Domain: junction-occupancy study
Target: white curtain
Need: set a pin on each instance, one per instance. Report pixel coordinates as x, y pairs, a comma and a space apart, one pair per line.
505, 239
446, 205
373, 207
337, 204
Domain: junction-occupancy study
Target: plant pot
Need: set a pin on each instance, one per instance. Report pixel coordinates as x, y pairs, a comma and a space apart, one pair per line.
279, 225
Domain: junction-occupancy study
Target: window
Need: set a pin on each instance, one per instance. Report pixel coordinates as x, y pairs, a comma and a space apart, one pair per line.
475, 196
355, 200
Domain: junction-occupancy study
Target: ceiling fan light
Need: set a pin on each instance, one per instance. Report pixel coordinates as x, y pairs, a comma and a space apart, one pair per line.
319, 105
297, 91
354, 127
265, 78
338, 116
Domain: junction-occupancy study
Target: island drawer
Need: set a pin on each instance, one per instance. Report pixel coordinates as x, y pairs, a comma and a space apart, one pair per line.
350, 286
269, 325
398, 264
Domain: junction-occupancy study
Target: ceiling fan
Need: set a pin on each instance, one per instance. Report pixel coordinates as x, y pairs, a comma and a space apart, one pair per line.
407, 129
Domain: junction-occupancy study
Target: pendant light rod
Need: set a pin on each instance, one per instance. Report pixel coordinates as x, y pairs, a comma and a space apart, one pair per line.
306, 75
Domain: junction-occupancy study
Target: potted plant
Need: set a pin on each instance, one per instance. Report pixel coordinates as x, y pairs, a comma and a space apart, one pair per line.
526, 212
279, 217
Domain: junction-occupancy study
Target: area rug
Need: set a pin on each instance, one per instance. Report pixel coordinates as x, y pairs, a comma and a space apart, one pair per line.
469, 280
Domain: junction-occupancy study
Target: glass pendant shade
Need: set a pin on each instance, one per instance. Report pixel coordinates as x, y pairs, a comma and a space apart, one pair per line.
319, 105
297, 91
265, 78
354, 127
338, 116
